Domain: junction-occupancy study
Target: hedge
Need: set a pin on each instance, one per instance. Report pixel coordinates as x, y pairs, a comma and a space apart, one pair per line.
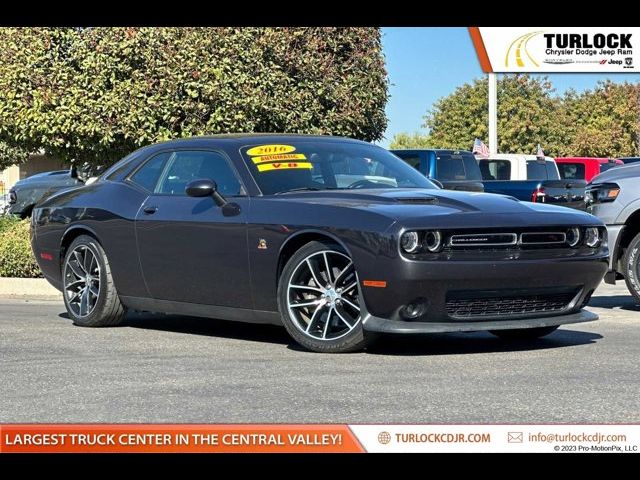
16, 257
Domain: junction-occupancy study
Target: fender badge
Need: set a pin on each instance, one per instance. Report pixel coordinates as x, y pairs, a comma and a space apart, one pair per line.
262, 244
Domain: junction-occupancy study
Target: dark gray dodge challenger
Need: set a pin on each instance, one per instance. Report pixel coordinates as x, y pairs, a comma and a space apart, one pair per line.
334, 238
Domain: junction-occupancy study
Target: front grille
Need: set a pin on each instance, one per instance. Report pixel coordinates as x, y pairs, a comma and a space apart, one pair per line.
509, 303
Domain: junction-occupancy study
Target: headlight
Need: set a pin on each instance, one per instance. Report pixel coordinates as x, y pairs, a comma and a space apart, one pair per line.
433, 241
409, 242
573, 237
602, 193
592, 237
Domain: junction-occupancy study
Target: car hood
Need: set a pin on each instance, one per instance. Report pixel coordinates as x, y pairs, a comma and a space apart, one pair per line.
446, 207
618, 173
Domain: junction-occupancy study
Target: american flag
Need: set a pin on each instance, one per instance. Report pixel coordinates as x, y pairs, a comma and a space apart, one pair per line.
480, 148
540, 152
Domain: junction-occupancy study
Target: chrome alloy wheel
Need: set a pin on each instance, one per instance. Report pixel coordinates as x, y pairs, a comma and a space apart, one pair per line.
323, 297
82, 281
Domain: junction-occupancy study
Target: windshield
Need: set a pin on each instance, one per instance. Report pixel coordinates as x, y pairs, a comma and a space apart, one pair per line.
328, 165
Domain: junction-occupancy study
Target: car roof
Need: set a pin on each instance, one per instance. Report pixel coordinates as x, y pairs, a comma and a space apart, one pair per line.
516, 156
256, 137
589, 159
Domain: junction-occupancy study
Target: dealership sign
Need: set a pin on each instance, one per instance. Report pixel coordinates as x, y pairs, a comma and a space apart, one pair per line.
557, 49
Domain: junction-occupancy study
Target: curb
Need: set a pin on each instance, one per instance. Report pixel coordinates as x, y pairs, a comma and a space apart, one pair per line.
27, 287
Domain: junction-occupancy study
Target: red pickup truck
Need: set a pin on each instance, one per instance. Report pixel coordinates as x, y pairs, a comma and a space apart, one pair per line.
584, 168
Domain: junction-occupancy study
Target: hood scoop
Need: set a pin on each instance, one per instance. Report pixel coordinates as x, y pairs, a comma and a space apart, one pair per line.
426, 200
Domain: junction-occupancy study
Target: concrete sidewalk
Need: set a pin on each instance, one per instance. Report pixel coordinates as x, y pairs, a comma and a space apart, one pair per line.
37, 288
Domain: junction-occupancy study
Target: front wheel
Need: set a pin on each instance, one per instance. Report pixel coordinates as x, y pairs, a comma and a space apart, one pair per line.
631, 266
319, 299
524, 333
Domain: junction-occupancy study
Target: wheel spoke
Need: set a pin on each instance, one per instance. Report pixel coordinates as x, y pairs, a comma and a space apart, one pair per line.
351, 303
326, 264
350, 287
88, 259
344, 270
318, 309
313, 274
326, 324
342, 318
75, 284
84, 302
307, 287
94, 290
75, 296
76, 269
94, 264
305, 304
80, 263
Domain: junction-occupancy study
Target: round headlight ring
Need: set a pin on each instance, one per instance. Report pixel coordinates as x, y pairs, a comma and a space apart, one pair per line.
409, 241
433, 241
573, 237
592, 237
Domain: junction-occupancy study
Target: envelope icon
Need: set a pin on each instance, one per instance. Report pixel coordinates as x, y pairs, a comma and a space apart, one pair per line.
515, 437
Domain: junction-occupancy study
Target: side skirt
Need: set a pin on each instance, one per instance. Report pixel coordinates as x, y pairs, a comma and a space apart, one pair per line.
200, 310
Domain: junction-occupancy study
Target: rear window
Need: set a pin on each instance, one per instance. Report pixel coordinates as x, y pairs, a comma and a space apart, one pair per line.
538, 170
571, 171
495, 169
457, 166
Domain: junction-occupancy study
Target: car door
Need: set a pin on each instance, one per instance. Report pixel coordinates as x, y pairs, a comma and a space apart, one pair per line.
190, 249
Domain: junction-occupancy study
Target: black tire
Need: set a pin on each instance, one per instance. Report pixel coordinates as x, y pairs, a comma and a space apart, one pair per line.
524, 333
108, 311
355, 340
631, 266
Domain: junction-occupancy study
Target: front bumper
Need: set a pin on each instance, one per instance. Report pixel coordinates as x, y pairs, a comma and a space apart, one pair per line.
381, 325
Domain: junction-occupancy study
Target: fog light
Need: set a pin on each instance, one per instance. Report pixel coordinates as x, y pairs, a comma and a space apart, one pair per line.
409, 242
573, 237
592, 237
433, 241
413, 310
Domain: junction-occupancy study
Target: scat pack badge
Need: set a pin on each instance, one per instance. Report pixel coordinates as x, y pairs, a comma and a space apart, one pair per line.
262, 244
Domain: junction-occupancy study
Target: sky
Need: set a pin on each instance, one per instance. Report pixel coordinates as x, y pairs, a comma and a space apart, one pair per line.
426, 63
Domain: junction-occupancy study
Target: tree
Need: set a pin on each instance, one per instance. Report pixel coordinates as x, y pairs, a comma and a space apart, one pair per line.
11, 154
526, 115
95, 94
410, 140
605, 121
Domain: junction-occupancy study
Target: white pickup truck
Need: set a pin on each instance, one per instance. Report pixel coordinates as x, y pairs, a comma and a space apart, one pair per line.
530, 178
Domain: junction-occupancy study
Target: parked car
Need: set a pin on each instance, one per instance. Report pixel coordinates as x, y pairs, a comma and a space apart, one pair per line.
254, 228
614, 197
27, 192
585, 168
530, 178
453, 169
627, 160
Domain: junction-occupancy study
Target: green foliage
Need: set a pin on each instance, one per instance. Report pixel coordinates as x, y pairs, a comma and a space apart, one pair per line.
11, 154
16, 257
95, 94
601, 122
405, 140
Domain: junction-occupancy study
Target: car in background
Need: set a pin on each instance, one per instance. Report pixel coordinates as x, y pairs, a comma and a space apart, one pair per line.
628, 160
614, 197
453, 169
26, 193
584, 168
530, 178
284, 229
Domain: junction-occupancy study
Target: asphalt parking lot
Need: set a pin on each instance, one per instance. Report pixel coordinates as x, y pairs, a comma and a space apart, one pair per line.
178, 369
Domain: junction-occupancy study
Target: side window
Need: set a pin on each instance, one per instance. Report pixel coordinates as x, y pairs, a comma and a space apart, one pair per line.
536, 170
495, 169
571, 171
413, 160
186, 166
147, 176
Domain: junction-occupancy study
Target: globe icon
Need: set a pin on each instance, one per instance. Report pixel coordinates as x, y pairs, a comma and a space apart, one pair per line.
384, 438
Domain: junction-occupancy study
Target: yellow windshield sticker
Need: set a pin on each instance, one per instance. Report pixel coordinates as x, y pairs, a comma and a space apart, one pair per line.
275, 158
270, 150
267, 167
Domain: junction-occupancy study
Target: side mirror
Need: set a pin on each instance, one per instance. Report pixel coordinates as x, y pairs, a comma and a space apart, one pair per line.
205, 188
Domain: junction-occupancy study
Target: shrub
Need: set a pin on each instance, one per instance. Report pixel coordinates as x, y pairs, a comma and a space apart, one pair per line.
16, 257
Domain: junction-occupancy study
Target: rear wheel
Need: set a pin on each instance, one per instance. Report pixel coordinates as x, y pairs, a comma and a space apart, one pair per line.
631, 265
524, 333
319, 299
89, 293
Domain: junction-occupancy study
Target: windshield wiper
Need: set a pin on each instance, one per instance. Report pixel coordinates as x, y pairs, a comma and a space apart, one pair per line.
305, 189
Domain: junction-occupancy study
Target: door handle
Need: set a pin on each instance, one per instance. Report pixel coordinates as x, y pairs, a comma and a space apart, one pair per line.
150, 210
